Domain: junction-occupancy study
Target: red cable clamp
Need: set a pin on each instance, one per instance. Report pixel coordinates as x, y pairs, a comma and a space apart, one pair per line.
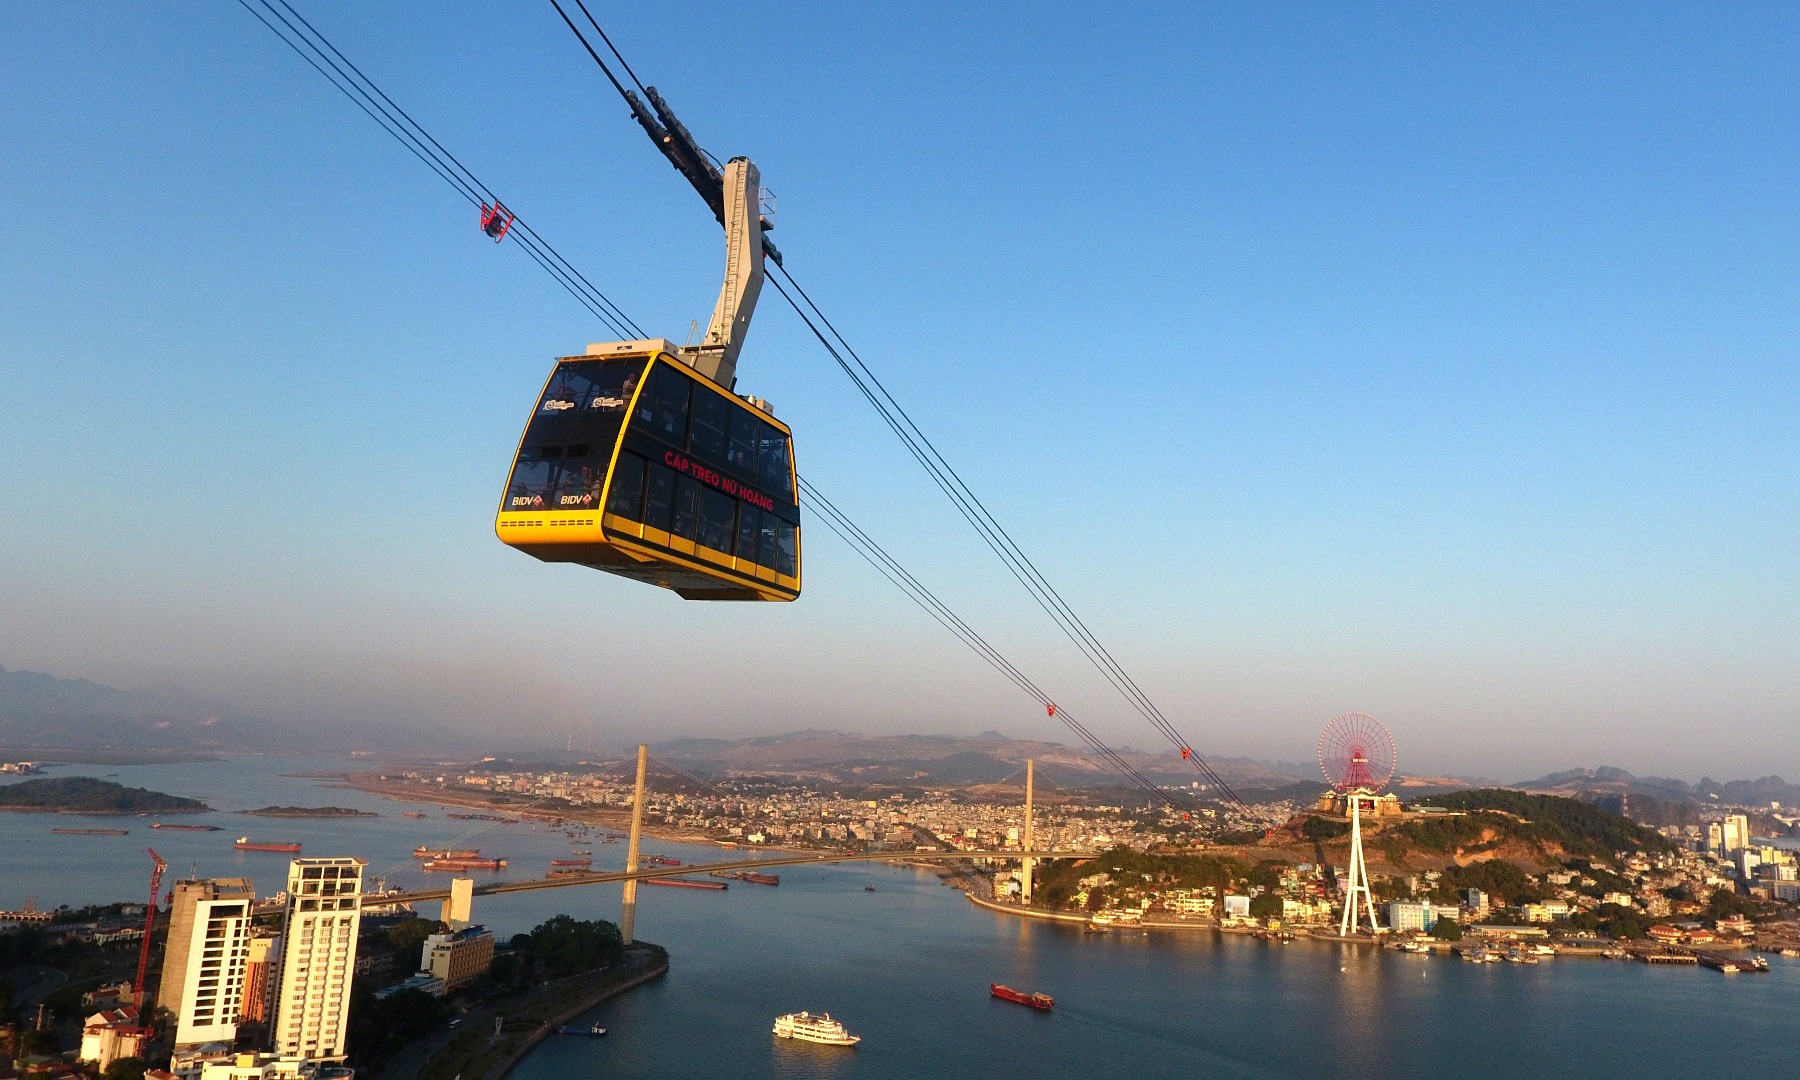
495, 220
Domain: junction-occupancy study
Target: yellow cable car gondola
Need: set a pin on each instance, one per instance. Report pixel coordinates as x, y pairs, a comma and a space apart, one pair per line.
637, 464
640, 460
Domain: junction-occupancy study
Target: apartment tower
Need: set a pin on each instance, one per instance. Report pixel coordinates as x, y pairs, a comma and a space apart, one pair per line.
324, 912
203, 963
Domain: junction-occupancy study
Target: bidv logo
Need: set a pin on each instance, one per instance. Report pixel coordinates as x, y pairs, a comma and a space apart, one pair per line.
527, 501
577, 500
557, 405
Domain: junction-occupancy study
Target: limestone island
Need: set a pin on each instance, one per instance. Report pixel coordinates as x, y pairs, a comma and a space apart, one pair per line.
309, 812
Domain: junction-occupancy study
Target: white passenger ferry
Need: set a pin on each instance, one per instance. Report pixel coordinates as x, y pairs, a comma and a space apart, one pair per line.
810, 1028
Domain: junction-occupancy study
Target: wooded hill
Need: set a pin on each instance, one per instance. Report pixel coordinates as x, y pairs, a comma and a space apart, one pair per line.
86, 795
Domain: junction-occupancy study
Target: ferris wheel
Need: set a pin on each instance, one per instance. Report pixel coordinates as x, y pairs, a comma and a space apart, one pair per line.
1356, 753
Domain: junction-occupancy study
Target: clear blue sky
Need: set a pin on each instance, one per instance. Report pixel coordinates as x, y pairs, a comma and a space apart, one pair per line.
1439, 363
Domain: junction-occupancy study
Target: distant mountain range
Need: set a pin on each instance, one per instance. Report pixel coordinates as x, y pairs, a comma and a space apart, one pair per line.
1606, 780
47, 712
844, 758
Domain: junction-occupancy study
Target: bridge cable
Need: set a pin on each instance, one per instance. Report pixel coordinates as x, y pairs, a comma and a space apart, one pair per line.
957, 490
373, 101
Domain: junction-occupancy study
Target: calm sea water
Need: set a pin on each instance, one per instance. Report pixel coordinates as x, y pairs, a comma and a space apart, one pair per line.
907, 967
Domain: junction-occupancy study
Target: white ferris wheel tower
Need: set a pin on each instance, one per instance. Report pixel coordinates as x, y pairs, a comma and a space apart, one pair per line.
1356, 754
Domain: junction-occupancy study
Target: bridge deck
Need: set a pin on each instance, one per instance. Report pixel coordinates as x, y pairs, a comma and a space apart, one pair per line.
564, 881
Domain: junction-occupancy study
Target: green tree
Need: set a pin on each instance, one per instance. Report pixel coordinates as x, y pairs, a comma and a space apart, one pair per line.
378, 1023
1266, 906
566, 946
1321, 829
409, 936
1447, 930
1725, 902
128, 1068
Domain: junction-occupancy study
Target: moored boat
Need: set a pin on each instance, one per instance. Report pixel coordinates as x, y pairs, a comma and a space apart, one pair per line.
184, 828
682, 883
423, 852
1041, 1002
453, 865
569, 1029
818, 1029
244, 843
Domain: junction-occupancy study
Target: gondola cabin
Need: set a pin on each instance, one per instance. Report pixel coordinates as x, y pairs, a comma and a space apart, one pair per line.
635, 463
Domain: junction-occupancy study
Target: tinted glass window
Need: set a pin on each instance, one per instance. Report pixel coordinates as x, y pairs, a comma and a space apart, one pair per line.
684, 517
787, 550
707, 434
659, 501
666, 410
765, 540
748, 516
626, 496
740, 449
571, 435
773, 472
718, 520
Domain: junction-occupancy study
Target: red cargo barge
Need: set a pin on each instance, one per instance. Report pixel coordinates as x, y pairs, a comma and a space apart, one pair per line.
244, 843
1042, 1002
453, 865
571, 862
681, 883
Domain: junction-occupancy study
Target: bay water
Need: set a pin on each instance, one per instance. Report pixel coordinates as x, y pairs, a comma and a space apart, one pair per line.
907, 966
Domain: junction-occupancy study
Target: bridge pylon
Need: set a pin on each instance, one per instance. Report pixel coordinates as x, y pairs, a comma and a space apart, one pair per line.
1028, 864
628, 913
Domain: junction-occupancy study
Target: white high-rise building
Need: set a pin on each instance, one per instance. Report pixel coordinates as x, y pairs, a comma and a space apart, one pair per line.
324, 912
203, 963
1736, 833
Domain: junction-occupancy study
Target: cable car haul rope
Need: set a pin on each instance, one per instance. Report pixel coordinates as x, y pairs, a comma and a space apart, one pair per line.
641, 459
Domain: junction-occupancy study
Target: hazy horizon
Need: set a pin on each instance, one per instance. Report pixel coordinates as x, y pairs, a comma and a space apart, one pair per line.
1434, 364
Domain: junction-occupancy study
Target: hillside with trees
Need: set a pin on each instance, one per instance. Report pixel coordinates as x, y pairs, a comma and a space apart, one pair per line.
87, 795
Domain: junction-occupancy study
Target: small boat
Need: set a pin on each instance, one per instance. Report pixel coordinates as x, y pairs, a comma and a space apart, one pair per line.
818, 1029
868, 888
580, 851
569, 1029
184, 828
454, 865
413, 813
1040, 1002
682, 883
244, 843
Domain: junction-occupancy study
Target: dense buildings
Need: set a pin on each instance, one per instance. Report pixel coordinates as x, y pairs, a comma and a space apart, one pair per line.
203, 965
324, 912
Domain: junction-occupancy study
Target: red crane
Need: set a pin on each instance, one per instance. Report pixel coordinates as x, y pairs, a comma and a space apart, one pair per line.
137, 988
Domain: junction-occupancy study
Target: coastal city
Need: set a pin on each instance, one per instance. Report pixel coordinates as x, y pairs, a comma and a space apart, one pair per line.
332, 970
867, 542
